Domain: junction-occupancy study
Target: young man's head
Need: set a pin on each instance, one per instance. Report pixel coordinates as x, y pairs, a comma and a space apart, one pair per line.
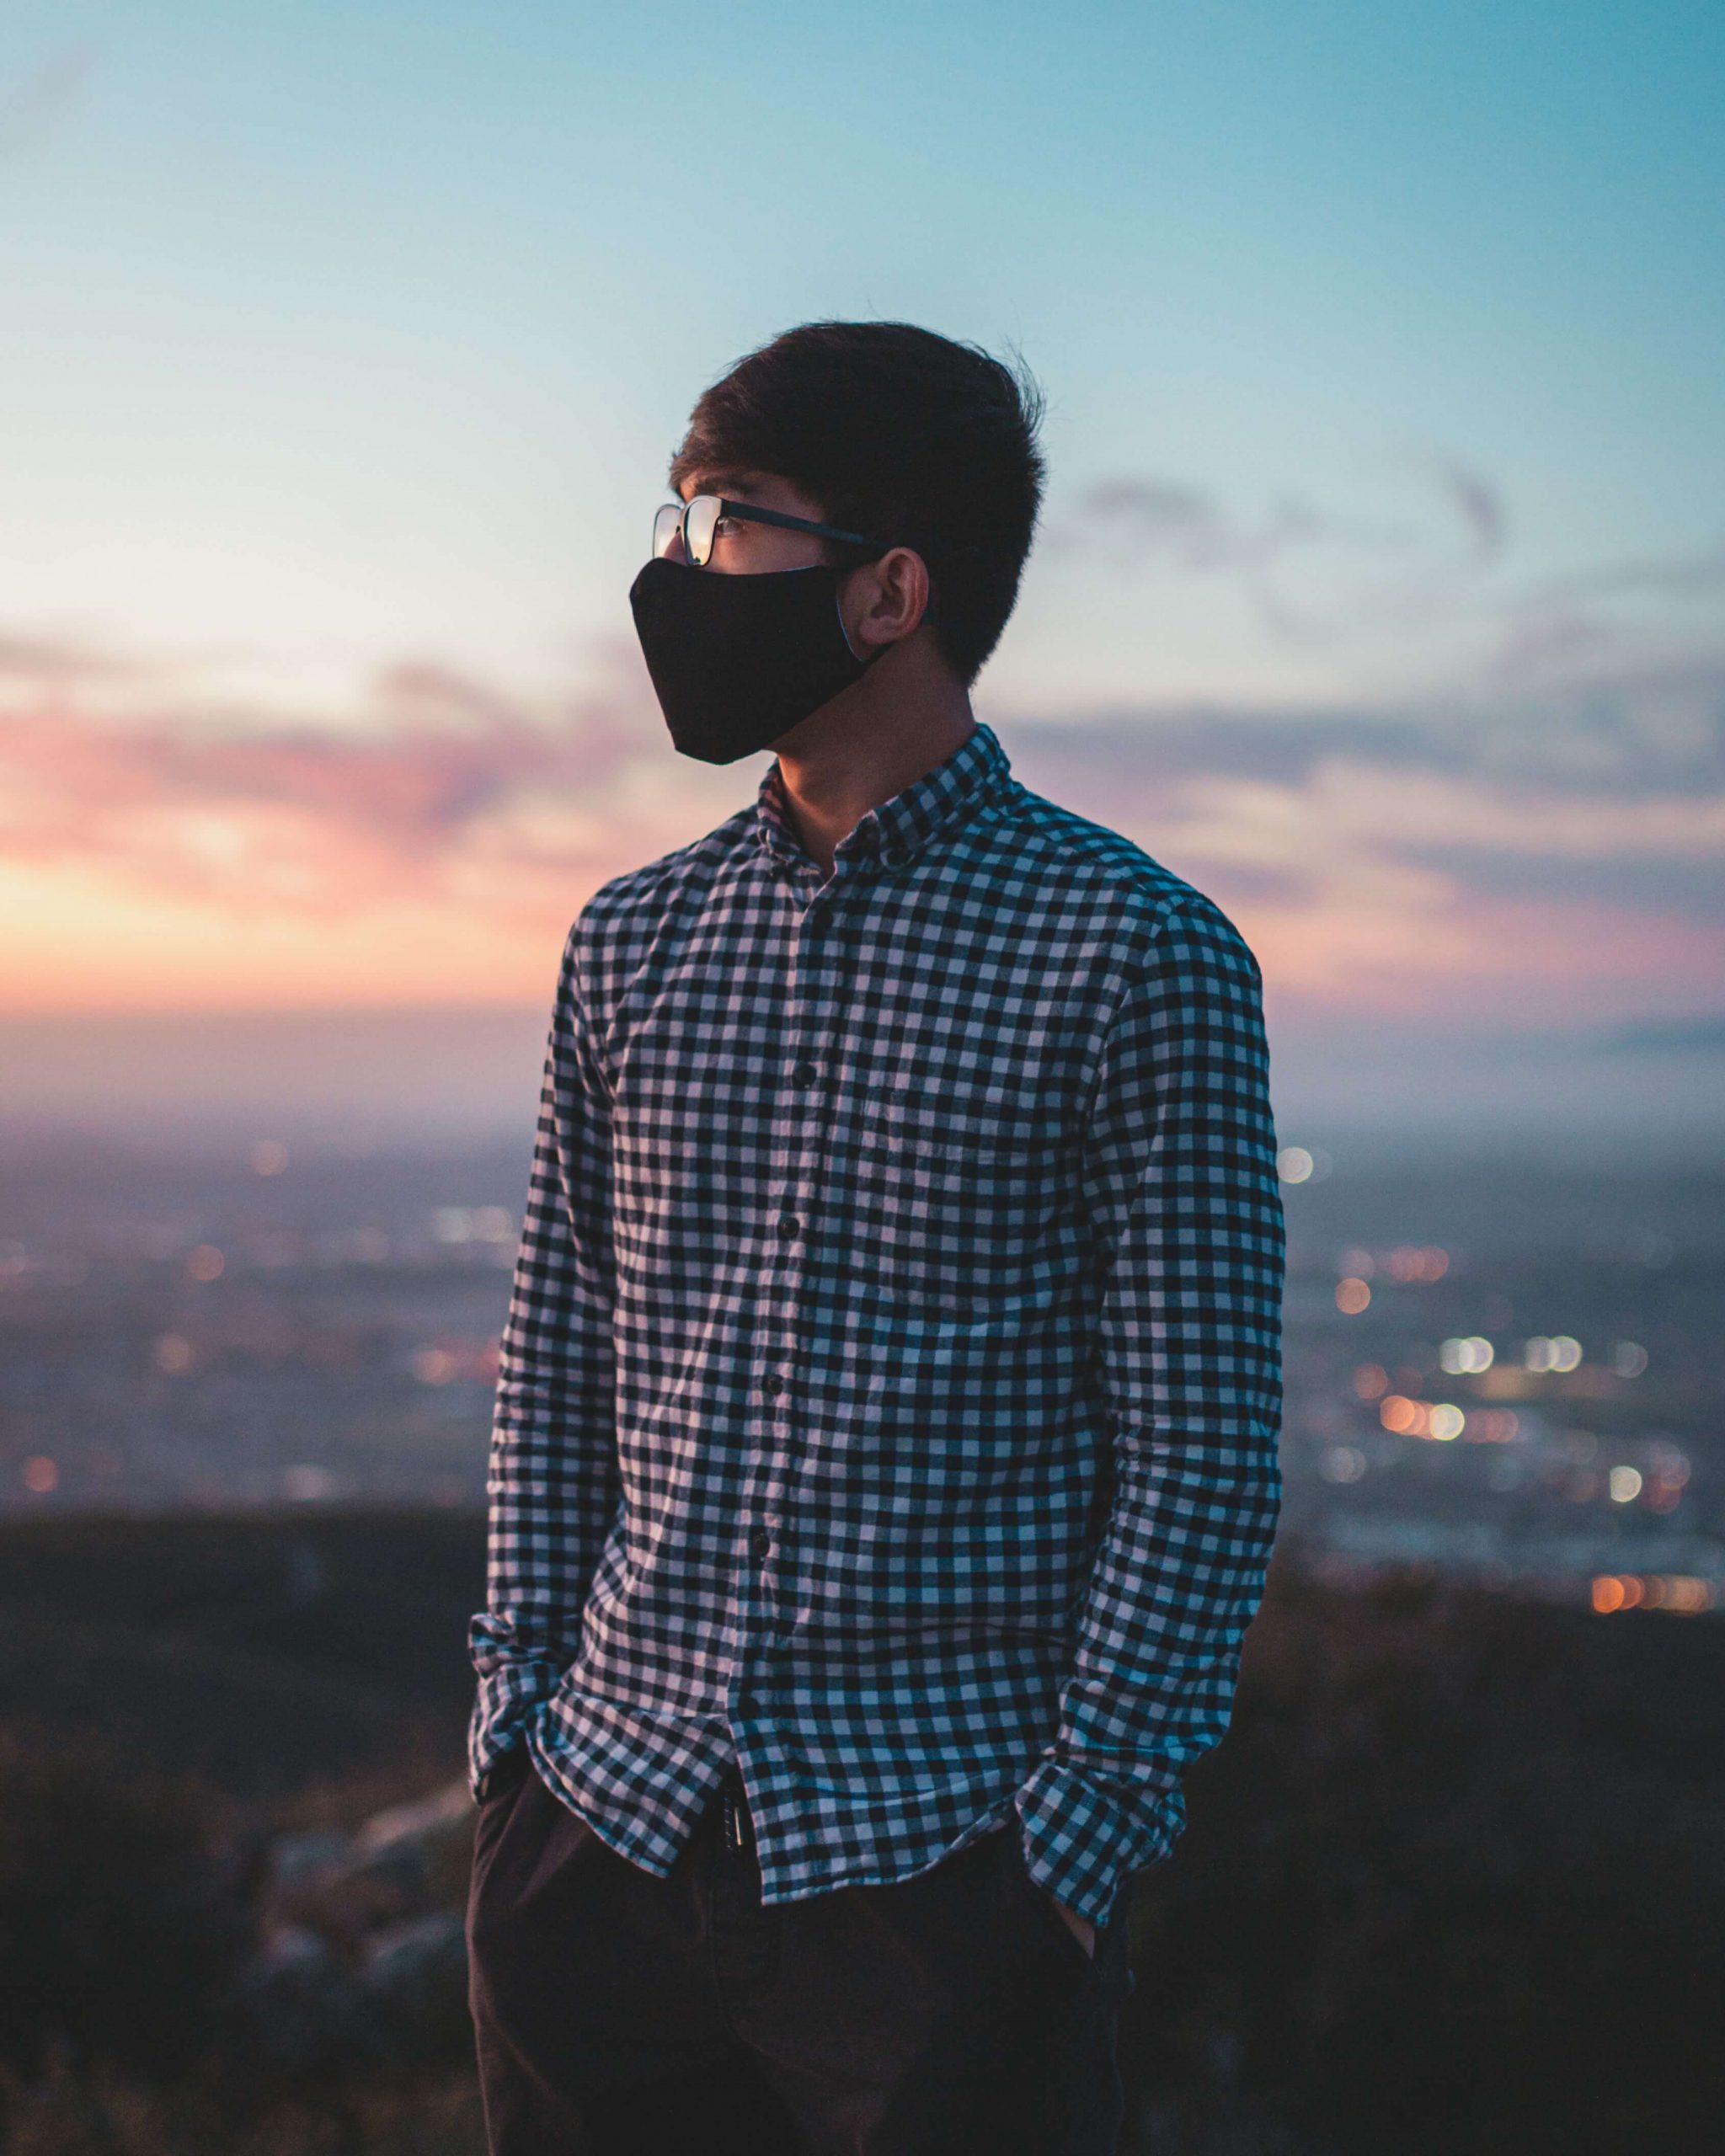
885, 430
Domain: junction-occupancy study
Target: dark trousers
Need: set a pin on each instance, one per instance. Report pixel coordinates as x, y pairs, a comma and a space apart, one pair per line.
616, 2013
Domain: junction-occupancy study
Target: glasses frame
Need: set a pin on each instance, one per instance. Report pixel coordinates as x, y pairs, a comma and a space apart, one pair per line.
750, 514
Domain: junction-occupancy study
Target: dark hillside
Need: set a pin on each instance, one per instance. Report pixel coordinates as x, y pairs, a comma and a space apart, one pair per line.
260, 1650
1454, 1883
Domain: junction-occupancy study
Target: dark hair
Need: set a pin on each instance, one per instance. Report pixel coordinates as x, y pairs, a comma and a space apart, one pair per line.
900, 434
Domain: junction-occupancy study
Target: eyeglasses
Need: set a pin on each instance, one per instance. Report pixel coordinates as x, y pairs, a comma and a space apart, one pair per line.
698, 519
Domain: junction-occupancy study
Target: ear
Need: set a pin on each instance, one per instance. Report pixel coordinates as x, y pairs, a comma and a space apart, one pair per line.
883, 602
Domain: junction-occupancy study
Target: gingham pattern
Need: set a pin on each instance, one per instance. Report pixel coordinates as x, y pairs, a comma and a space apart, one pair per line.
889, 1393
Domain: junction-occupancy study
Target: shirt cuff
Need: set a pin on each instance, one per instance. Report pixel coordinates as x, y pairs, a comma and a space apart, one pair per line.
507, 1699
1086, 1833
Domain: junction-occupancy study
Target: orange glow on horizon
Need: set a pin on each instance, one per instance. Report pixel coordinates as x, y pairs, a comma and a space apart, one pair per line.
429, 847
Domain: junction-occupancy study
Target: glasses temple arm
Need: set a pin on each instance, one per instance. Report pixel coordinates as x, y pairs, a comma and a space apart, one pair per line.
747, 510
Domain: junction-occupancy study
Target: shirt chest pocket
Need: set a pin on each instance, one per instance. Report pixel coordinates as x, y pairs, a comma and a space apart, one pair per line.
955, 1201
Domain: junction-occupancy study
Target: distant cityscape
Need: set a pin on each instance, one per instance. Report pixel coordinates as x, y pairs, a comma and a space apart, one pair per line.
1501, 1369
1531, 1396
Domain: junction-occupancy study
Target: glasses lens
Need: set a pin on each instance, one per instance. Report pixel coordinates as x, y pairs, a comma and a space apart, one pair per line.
666, 521
700, 522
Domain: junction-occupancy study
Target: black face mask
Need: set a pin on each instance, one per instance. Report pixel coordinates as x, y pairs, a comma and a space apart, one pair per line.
738, 660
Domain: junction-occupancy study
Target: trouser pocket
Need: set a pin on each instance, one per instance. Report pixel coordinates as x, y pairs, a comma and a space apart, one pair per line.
1054, 1925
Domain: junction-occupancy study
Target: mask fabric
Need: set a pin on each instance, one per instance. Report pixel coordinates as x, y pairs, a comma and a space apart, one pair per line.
738, 660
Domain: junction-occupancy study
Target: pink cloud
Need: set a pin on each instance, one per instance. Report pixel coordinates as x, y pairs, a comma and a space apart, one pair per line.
419, 788
1533, 854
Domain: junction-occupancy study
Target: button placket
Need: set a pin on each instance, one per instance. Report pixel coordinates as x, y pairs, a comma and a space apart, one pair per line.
785, 1229
759, 1493
813, 988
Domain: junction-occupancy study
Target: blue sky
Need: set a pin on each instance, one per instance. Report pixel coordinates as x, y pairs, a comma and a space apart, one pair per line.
343, 350
341, 329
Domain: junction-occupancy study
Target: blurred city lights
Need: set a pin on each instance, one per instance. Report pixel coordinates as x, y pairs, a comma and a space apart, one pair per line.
1560, 1353
1669, 1464
1416, 1418
446, 1360
1535, 1495
171, 1354
478, 1224
1342, 1464
1681, 1592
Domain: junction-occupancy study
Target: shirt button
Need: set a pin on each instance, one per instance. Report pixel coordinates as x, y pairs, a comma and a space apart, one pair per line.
790, 1224
760, 1541
774, 1382
804, 1073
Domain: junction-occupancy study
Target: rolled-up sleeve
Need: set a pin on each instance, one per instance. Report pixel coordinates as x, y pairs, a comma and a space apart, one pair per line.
553, 1483
1180, 1185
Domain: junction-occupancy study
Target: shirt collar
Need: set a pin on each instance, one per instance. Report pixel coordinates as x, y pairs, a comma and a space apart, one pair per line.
894, 831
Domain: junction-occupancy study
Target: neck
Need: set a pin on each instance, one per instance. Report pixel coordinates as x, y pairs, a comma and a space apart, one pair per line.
908, 713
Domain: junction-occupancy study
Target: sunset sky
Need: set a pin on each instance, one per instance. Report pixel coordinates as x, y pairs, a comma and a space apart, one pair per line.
1381, 589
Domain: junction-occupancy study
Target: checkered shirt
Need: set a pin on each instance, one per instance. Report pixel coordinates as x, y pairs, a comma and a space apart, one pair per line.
890, 1393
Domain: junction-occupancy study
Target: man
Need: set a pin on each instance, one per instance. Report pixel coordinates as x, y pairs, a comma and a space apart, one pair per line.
884, 1467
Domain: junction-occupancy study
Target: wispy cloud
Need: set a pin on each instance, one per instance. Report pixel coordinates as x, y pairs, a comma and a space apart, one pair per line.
1478, 505
435, 780
1522, 858
1534, 854
1538, 844
1312, 576
1367, 568
31, 108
